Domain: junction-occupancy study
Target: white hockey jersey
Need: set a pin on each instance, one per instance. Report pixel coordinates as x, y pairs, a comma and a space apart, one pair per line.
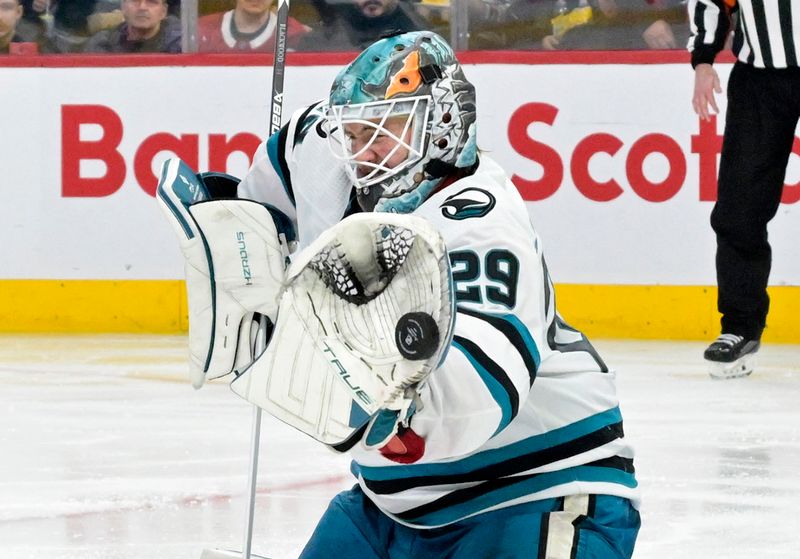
523, 407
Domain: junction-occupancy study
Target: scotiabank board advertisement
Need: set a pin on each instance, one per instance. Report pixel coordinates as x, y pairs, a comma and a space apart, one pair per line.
618, 172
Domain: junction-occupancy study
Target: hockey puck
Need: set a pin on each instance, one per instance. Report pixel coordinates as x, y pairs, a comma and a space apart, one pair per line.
416, 336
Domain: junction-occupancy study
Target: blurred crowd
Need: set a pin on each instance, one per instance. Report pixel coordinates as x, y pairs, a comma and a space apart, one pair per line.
139, 26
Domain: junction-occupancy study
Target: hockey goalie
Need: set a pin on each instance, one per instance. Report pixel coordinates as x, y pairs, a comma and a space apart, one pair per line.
392, 272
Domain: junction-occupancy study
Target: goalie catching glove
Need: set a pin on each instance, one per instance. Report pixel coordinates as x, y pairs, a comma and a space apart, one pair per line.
235, 253
366, 316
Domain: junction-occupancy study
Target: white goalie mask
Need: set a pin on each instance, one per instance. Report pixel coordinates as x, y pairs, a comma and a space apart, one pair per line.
379, 140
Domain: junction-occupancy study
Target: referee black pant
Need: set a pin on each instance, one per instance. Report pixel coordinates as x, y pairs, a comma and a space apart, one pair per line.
762, 114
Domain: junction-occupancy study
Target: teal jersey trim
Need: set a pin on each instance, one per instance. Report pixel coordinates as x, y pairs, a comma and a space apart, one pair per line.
498, 392
517, 334
491, 457
526, 336
525, 487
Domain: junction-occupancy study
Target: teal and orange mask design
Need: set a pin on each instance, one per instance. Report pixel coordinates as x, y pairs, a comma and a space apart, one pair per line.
414, 79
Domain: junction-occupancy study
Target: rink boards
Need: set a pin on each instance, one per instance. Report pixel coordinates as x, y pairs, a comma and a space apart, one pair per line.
617, 170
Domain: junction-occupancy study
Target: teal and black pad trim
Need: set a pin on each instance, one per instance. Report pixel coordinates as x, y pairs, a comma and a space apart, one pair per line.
351, 441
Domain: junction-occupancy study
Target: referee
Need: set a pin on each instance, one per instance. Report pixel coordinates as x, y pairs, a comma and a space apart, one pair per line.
763, 111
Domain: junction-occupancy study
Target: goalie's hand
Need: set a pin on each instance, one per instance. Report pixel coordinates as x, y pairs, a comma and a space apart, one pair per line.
235, 253
366, 316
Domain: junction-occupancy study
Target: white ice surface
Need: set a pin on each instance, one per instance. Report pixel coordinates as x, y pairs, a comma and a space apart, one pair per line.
107, 452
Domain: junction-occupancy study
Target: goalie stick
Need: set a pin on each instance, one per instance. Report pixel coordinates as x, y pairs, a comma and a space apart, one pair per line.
275, 117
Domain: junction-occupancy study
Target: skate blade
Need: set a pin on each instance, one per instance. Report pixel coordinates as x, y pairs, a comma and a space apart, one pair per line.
742, 367
226, 554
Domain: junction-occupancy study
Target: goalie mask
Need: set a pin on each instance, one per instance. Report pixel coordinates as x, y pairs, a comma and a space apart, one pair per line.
402, 117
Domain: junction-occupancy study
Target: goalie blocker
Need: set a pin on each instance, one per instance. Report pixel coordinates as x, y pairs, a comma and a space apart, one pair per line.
235, 253
366, 315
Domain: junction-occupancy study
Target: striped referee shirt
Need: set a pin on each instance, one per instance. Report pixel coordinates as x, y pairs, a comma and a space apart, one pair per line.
767, 33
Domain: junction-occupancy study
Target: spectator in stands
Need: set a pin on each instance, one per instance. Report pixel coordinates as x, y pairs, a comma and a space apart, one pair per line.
34, 8
146, 28
10, 16
509, 24
70, 29
74, 21
250, 26
583, 25
435, 14
32, 27
107, 14
622, 25
355, 24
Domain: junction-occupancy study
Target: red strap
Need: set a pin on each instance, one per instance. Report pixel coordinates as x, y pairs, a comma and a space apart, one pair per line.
404, 448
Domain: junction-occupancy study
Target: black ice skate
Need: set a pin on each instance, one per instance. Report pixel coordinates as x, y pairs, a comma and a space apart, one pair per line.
731, 356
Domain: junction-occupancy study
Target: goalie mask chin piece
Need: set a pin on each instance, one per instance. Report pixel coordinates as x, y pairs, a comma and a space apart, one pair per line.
370, 198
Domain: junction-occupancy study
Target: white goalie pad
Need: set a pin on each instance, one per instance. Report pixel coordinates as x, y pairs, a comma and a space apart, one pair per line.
235, 266
336, 356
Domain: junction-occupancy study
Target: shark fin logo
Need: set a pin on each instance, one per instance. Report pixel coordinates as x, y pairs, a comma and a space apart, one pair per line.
470, 202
